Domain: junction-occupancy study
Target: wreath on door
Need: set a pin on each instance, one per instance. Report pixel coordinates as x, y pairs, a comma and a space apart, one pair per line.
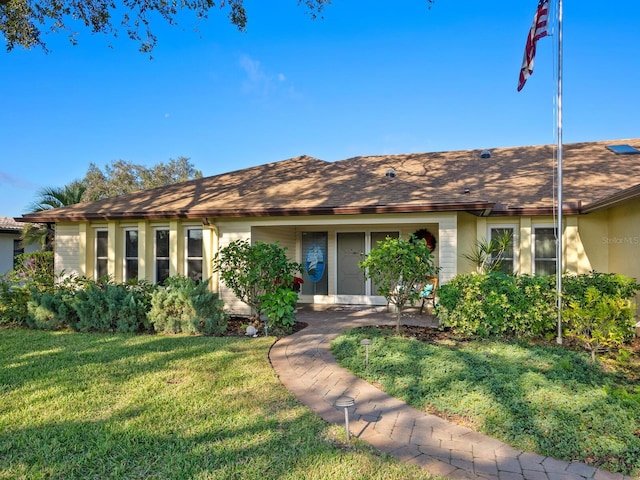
428, 238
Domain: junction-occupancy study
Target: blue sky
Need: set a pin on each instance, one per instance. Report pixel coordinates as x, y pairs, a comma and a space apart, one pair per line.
373, 77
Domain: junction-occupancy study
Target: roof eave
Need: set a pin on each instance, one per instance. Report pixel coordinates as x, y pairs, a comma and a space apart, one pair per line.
567, 209
612, 200
475, 207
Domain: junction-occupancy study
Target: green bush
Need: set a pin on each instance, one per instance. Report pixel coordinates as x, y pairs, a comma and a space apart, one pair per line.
574, 287
54, 308
13, 302
35, 268
496, 304
280, 308
595, 306
598, 310
111, 307
34, 273
183, 305
600, 321
257, 273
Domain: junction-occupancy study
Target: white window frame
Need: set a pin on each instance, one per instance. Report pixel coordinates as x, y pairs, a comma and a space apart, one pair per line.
124, 251
187, 258
515, 241
97, 258
155, 250
534, 228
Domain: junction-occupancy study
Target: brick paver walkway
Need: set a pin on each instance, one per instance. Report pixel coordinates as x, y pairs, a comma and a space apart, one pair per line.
308, 369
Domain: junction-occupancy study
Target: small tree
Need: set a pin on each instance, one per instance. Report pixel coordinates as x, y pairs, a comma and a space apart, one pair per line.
257, 274
397, 266
600, 322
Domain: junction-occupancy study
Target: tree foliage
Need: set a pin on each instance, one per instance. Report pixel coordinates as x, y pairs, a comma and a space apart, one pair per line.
487, 255
261, 276
397, 266
48, 198
121, 177
22, 22
118, 178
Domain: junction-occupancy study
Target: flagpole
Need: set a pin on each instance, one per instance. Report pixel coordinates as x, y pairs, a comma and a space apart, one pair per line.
559, 249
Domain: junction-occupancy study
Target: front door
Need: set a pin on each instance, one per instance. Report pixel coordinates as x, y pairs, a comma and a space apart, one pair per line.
351, 249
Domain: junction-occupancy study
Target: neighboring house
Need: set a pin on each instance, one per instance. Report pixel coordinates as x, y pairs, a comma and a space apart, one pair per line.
10, 243
330, 214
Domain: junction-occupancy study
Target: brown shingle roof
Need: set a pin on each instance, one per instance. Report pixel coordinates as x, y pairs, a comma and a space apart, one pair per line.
512, 181
9, 225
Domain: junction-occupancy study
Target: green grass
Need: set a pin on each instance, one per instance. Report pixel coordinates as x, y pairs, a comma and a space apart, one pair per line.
545, 399
91, 406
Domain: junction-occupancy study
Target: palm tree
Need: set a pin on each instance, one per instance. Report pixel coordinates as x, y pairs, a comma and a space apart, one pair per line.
54, 197
48, 199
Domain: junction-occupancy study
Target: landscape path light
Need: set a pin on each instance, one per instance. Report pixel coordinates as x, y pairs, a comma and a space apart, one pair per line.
346, 402
366, 342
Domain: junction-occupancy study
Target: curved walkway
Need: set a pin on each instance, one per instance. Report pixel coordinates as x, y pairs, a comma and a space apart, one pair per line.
307, 368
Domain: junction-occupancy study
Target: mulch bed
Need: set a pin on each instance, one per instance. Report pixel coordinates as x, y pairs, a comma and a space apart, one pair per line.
237, 327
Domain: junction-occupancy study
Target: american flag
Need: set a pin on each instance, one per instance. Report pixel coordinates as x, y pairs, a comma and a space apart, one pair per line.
538, 30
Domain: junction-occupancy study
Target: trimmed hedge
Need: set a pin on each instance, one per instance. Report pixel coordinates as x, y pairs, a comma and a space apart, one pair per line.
104, 306
112, 307
186, 306
495, 304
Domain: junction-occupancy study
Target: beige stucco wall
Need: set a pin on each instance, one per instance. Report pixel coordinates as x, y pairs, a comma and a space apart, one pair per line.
603, 241
593, 230
582, 237
466, 235
622, 241
287, 231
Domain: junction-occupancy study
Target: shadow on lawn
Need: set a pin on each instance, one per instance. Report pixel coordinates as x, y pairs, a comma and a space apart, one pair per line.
545, 399
214, 408
263, 448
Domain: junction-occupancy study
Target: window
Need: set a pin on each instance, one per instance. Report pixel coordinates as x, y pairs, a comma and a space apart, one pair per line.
162, 255
130, 255
17, 250
193, 255
544, 251
509, 263
102, 254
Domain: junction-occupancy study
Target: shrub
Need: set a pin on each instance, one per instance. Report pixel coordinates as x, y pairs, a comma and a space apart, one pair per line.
35, 268
574, 287
13, 302
596, 306
53, 309
280, 308
600, 321
537, 314
261, 276
34, 273
183, 305
495, 304
110, 307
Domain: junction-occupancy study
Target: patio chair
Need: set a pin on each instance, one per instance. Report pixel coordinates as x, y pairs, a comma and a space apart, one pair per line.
428, 292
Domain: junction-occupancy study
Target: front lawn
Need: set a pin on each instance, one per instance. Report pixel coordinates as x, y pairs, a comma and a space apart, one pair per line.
546, 399
82, 406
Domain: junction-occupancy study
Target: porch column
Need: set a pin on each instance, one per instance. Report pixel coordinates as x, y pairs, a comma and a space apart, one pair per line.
524, 256
448, 247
